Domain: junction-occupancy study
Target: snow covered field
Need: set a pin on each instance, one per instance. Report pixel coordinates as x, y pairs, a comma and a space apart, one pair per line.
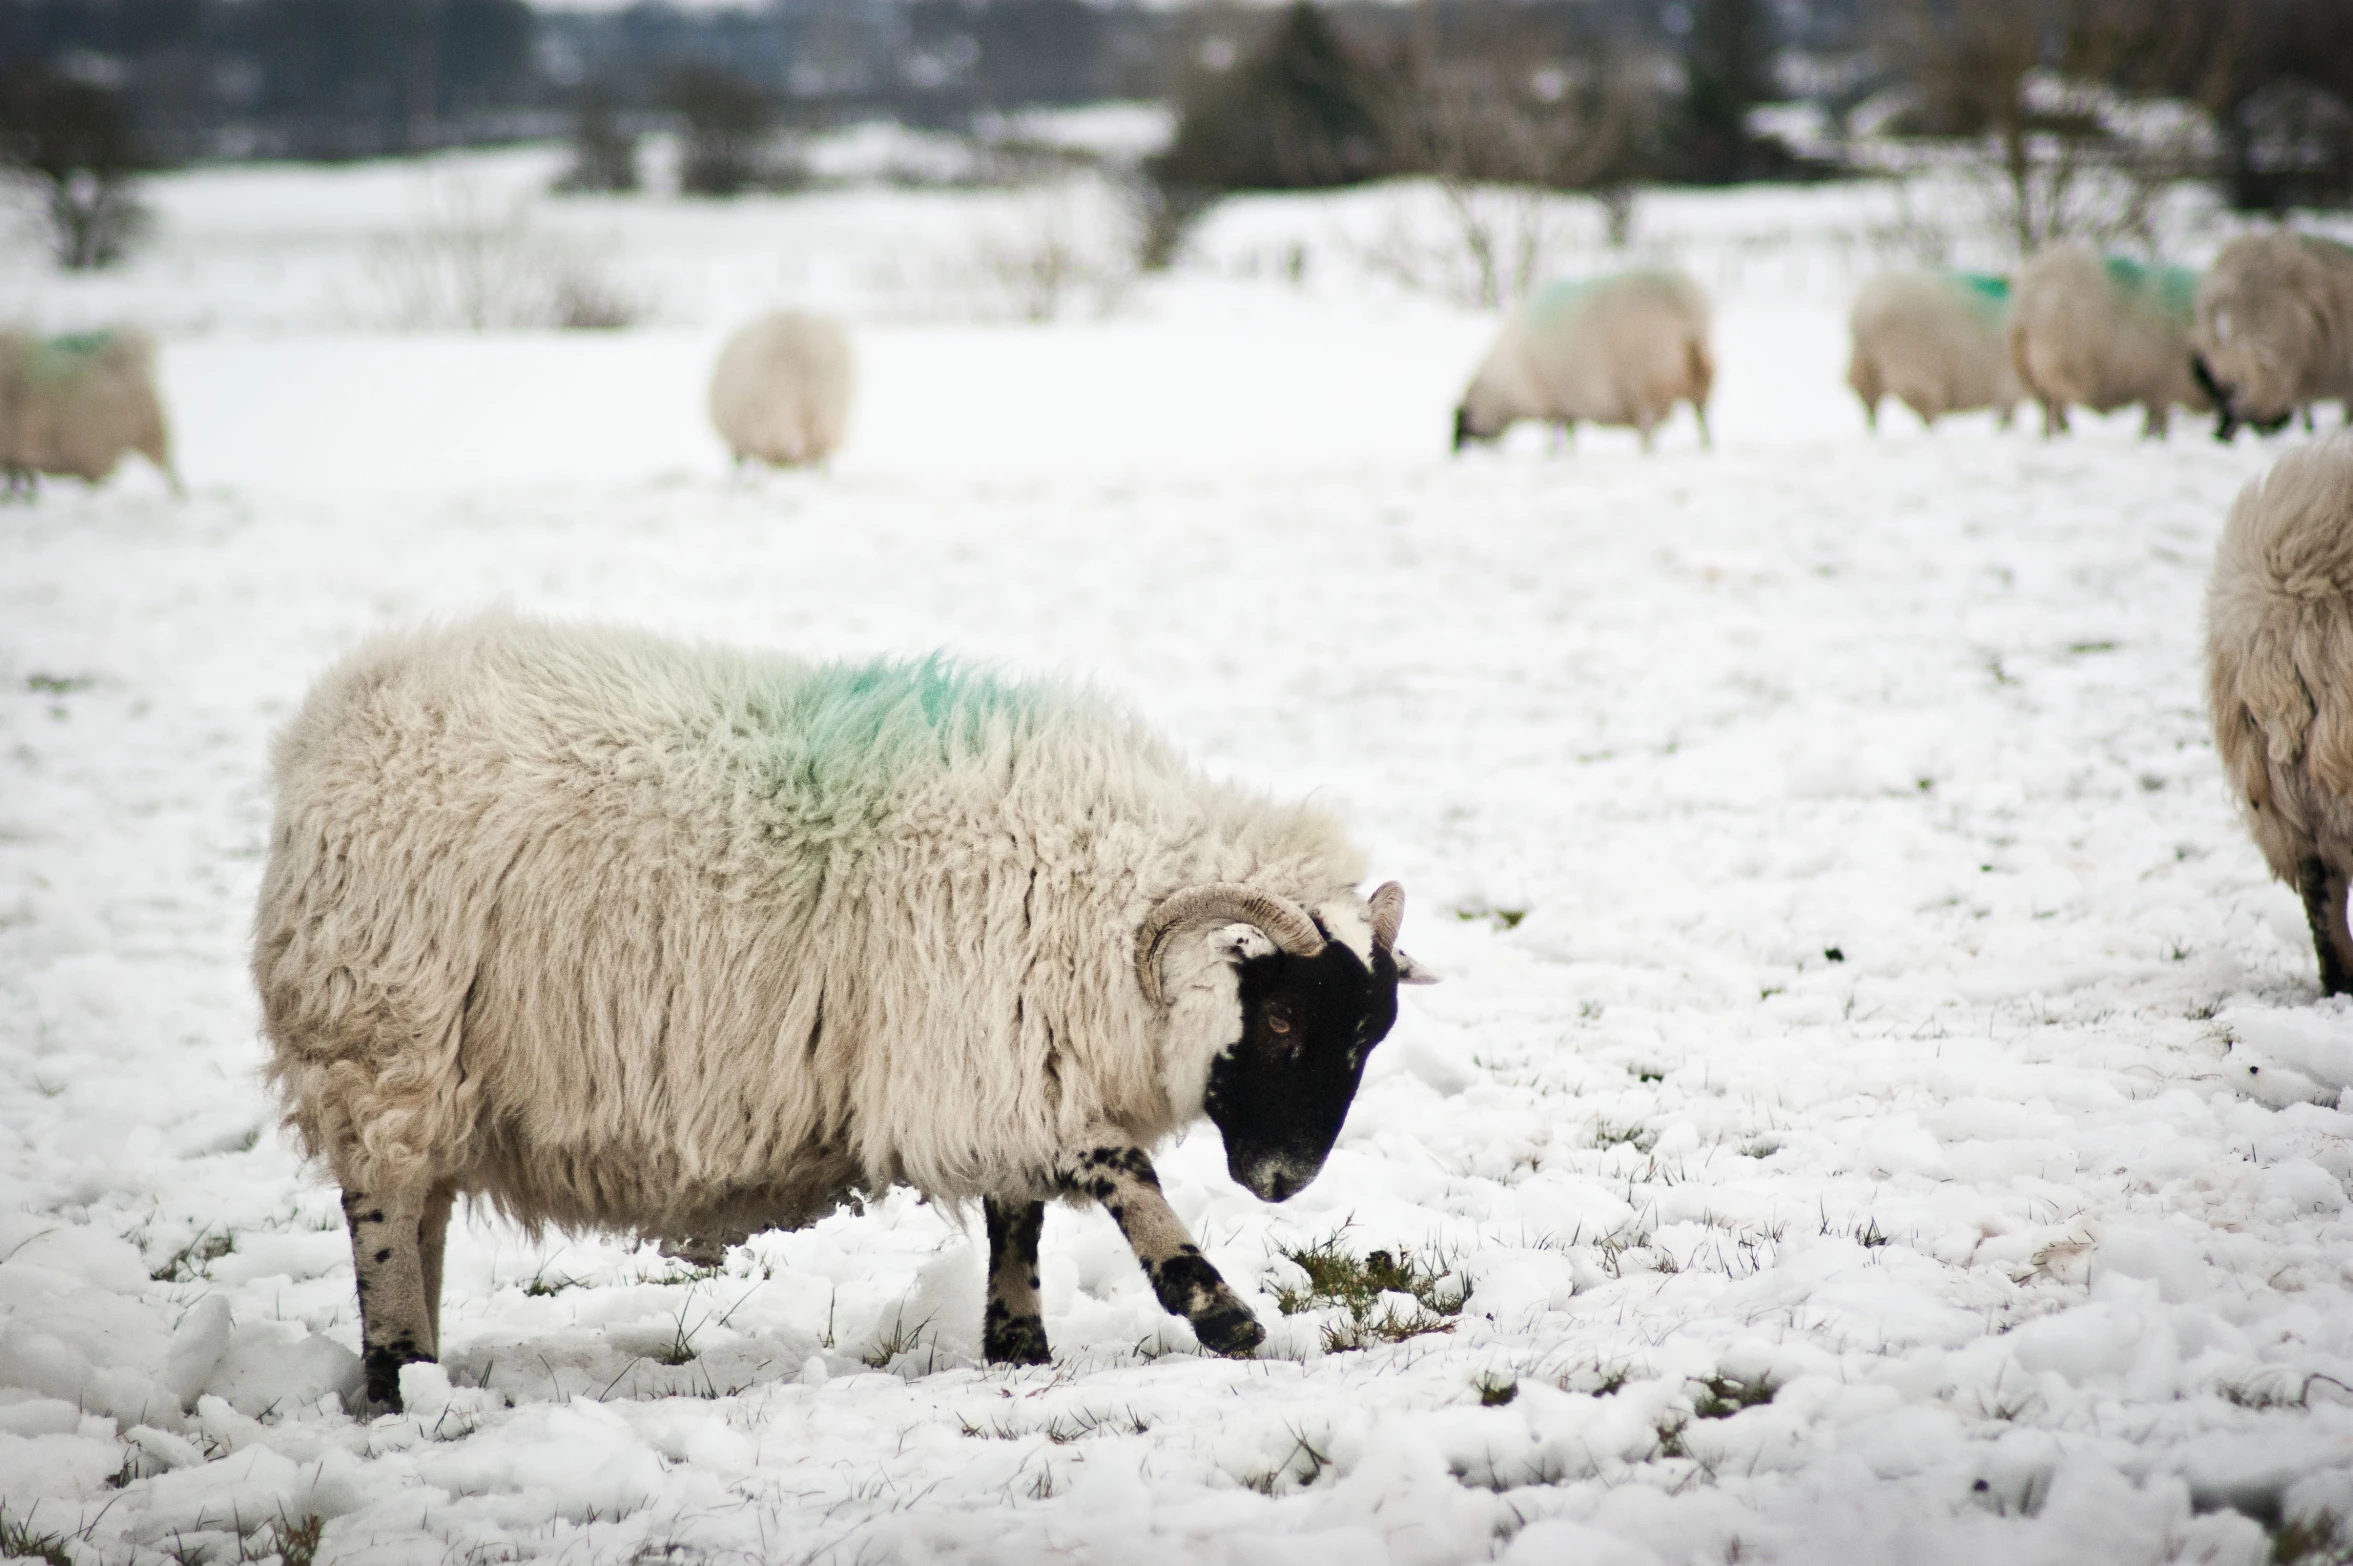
1877, 1109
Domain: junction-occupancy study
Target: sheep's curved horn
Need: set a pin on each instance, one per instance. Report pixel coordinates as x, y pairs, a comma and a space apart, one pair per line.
1387, 909
1220, 902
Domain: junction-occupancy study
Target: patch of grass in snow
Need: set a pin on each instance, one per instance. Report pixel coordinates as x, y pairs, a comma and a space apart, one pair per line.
2315, 1540
1721, 1396
1496, 1391
1868, 1234
59, 684
2273, 1392
189, 1261
1062, 1429
295, 1540
18, 1541
1501, 918
1608, 1133
895, 1340
540, 1286
1364, 1289
1303, 1465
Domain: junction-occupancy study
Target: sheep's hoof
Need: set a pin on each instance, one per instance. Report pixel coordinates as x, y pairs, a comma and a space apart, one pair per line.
1015, 1340
1228, 1328
383, 1362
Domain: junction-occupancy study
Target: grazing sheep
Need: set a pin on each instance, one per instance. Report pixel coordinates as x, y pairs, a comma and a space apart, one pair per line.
1617, 350
780, 393
2274, 329
1937, 341
2103, 333
2279, 680
618, 933
74, 405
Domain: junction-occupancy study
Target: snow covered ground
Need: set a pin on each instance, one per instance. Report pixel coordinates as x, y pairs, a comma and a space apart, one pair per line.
1877, 1109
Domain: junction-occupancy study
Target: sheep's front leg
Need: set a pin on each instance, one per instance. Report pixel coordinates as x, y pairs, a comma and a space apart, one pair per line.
1122, 1179
1014, 1330
390, 1244
2324, 892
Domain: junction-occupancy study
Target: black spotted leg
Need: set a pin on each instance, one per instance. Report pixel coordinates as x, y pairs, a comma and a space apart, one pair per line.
1122, 1179
1013, 1332
396, 1247
2324, 892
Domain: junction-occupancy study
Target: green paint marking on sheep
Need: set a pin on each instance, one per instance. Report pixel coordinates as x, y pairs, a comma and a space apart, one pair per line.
1555, 300
62, 360
828, 744
2172, 289
1988, 288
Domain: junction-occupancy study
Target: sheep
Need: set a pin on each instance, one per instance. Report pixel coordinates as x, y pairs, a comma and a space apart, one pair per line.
2279, 680
1938, 341
2103, 332
780, 392
1617, 350
74, 405
2274, 329
615, 933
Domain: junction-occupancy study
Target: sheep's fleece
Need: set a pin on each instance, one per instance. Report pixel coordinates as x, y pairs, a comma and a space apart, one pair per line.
780, 392
2279, 680
620, 932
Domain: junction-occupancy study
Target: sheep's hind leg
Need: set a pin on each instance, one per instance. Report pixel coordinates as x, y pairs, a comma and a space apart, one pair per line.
389, 1245
2324, 891
1014, 1331
1123, 1180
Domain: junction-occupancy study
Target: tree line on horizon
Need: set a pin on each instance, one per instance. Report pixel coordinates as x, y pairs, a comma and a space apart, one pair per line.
1596, 96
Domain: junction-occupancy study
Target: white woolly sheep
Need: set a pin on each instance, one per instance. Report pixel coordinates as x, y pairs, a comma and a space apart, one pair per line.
780, 393
1937, 341
2274, 329
618, 933
2103, 332
2279, 680
74, 405
1617, 350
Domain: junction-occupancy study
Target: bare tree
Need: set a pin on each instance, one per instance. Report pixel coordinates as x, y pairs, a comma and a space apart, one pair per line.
604, 155
1505, 119
2059, 93
72, 141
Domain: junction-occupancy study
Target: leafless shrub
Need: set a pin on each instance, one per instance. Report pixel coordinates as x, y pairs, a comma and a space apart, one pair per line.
1505, 122
1053, 254
462, 268
2075, 117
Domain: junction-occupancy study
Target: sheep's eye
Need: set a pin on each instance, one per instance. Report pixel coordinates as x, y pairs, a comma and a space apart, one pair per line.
1278, 1021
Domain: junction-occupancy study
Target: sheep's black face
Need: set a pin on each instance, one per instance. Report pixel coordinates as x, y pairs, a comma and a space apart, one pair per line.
1467, 430
1278, 1095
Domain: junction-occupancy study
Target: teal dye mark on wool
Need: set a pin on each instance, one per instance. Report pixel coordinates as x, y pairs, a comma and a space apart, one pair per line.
1989, 287
2172, 289
847, 730
62, 359
826, 746
889, 715
1556, 301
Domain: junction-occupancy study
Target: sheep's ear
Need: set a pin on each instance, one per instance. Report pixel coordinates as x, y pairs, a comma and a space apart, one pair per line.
1411, 972
1238, 943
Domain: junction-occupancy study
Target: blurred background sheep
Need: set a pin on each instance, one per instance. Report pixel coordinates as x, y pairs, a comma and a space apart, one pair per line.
1936, 341
2279, 680
781, 391
74, 405
2103, 332
2273, 331
1617, 350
